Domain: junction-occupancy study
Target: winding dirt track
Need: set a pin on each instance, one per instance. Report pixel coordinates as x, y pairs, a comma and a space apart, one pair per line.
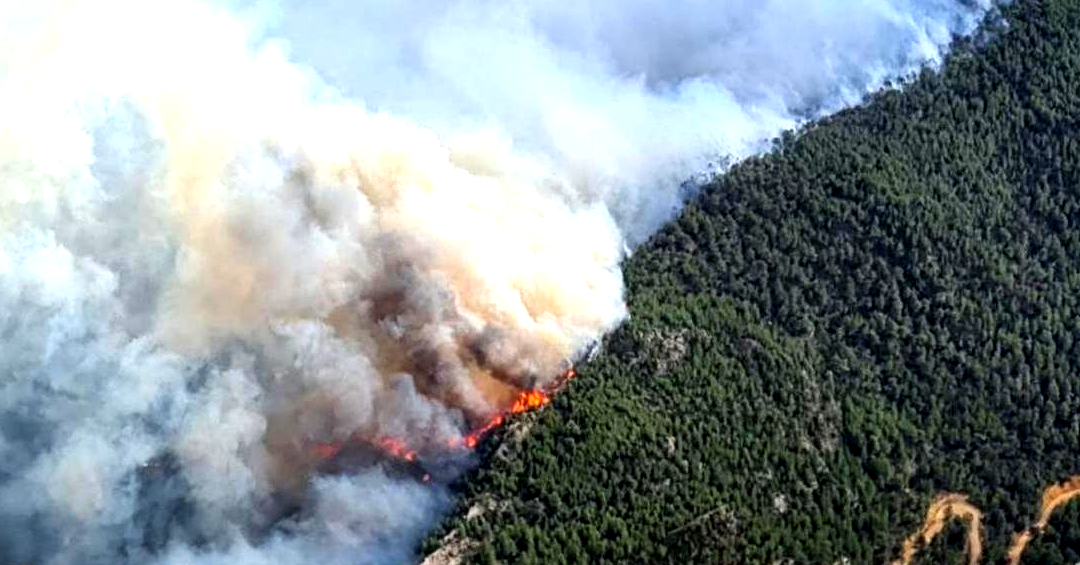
1054, 497
950, 506
945, 507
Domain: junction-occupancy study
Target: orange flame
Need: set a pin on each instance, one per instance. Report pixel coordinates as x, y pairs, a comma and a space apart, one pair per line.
326, 451
529, 400
397, 448
473, 438
526, 401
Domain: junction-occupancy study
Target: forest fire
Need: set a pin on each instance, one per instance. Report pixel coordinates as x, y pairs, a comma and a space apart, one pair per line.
326, 450
399, 449
526, 401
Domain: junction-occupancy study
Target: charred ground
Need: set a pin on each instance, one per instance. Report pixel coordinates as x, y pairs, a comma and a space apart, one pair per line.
884, 308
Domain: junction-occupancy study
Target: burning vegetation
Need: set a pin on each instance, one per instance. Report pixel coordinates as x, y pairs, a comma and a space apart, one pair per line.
337, 456
169, 508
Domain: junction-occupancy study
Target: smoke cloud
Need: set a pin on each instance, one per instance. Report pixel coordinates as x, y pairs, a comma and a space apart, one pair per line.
231, 233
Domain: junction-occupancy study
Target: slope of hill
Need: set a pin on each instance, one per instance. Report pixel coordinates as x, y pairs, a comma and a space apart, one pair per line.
883, 308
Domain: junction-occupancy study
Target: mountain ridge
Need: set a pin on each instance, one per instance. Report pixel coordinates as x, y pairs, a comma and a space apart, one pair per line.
881, 309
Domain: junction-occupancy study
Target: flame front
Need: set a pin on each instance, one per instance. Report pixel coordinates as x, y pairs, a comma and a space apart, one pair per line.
397, 448
529, 400
526, 401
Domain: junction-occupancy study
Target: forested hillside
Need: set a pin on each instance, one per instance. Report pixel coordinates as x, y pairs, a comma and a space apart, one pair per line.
885, 307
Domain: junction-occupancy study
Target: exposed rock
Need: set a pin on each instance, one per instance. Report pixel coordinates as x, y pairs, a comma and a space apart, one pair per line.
664, 348
485, 505
780, 503
453, 551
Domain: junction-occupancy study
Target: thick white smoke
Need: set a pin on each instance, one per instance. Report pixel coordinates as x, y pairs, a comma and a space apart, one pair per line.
628, 98
213, 262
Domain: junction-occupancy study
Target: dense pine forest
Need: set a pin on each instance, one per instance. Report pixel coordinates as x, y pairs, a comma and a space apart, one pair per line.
884, 307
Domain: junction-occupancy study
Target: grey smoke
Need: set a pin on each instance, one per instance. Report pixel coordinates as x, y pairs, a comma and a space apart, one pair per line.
629, 98
230, 232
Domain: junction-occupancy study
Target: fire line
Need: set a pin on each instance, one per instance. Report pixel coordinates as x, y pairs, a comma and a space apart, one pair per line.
395, 448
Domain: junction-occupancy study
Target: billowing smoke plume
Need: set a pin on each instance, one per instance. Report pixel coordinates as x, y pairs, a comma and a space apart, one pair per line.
626, 98
213, 262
